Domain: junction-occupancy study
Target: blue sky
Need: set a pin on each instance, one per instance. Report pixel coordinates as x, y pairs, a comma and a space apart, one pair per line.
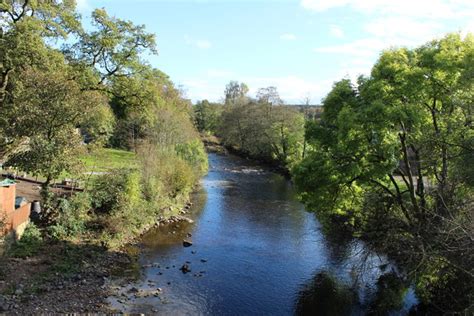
301, 47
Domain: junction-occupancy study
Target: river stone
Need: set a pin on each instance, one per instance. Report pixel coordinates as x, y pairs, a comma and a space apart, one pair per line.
133, 290
185, 268
187, 243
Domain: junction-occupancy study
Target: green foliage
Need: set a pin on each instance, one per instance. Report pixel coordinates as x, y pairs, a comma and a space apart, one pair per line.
207, 116
72, 216
51, 107
113, 47
29, 244
391, 291
110, 191
59, 108
98, 128
273, 133
194, 154
236, 93
387, 154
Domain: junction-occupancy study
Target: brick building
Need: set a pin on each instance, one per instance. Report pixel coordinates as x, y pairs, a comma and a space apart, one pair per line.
14, 212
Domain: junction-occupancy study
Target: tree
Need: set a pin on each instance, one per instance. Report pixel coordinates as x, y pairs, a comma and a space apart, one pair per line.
384, 160
23, 26
306, 104
206, 116
269, 96
98, 127
113, 48
275, 136
235, 93
47, 111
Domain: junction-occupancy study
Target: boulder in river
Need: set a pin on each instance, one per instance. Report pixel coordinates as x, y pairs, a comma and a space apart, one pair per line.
187, 243
185, 268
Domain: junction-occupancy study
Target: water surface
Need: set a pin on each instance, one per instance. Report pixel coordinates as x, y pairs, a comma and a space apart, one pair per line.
256, 251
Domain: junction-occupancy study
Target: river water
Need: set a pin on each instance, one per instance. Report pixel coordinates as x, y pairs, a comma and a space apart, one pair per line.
256, 251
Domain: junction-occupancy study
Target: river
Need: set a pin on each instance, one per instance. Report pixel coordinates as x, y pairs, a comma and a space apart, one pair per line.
256, 251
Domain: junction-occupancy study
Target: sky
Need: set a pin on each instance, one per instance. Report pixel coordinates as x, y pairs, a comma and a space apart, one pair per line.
300, 46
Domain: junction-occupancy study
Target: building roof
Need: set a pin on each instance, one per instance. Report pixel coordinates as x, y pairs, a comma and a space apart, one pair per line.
6, 182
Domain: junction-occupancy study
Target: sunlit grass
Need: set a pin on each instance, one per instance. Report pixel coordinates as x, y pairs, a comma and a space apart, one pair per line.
107, 159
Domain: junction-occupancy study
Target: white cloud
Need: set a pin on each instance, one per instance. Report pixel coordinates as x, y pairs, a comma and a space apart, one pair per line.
323, 5
200, 89
368, 47
336, 31
288, 37
403, 27
392, 23
198, 43
468, 28
419, 8
352, 68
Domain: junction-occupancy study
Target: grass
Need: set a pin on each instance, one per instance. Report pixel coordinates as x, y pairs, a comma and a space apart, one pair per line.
101, 160
107, 159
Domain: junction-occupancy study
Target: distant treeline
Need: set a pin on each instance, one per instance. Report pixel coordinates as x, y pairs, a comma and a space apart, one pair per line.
263, 127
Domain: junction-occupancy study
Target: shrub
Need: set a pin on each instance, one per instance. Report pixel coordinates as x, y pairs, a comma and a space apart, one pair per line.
111, 190
72, 216
194, 153
29, 244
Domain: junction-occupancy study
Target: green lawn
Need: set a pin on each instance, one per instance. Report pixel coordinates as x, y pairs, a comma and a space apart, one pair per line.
100, 161
106, 159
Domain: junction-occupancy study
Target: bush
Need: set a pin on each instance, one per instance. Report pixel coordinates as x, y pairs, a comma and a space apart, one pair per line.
110, 191
72, 216
194, 153
29, 244
168, 173
120, 206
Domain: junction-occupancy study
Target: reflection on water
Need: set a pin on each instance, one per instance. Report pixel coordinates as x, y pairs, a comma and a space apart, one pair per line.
324, 294
255, 251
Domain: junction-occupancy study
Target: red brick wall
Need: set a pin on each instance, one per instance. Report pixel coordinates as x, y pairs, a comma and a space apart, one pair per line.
20, 215
10, 217
7, 199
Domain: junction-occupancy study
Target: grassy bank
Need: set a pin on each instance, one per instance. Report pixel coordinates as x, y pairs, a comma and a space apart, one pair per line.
107, 159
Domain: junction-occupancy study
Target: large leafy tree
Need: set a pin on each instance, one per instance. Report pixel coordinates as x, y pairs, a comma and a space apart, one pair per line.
386, 159
113, 49
24, 24
46, 115
24, 27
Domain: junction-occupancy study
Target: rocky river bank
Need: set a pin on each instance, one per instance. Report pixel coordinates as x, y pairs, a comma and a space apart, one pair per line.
68, 277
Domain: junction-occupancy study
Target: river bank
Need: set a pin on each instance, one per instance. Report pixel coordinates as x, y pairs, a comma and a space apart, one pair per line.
71, 276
